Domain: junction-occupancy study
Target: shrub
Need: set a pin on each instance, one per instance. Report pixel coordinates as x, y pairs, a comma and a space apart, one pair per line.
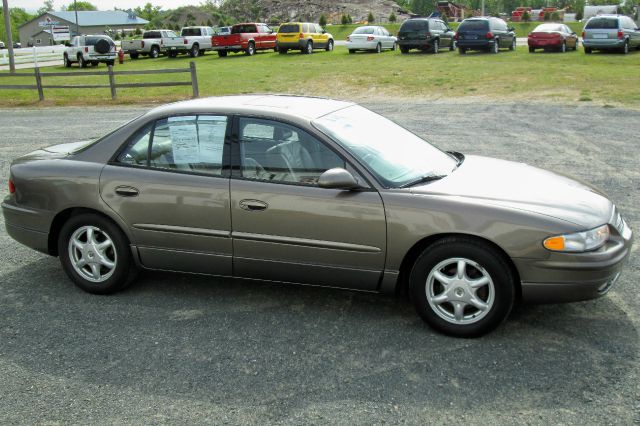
322, 21
392, 17
526, 16
371, 18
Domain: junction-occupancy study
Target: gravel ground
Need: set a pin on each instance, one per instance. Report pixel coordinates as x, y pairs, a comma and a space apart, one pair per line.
189, 349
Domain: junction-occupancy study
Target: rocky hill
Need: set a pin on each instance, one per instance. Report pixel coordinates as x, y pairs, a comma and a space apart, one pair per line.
310, 10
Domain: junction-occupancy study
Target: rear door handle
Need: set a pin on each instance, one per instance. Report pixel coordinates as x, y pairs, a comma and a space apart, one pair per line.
127, 191
253, 205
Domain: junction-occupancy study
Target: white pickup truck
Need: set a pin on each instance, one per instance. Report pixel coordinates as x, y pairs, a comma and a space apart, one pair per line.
152, 44
193, 40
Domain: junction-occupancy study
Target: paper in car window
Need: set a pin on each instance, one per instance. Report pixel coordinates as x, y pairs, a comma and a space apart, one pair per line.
211, 131
184, 142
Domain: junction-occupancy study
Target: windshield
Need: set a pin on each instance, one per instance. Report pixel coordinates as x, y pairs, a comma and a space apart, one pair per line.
390, 152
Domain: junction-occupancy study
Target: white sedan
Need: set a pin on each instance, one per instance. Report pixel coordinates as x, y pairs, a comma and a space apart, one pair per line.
371, 38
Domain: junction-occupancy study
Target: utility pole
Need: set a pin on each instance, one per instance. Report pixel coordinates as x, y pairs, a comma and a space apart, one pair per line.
482, 7
75, 7
7, 27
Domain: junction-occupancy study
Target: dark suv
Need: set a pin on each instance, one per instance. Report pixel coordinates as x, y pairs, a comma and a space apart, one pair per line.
425, 34
488, 34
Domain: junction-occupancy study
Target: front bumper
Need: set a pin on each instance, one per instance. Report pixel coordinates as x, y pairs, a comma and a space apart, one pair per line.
571, 277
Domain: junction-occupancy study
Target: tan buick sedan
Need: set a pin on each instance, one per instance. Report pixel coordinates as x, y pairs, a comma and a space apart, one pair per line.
318, 192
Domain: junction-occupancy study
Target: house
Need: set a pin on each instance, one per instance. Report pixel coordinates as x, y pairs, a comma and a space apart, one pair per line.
54, 27
590, 11
453, 11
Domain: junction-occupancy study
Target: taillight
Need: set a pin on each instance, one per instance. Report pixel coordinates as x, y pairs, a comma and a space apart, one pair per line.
86, 50
489, 35
12, 187
620, 35
583, 34
455, 36
186, 41
301, 35
370, 38
142, 43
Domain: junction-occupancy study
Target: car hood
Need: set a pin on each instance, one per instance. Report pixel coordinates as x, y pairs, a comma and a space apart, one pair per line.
523, 187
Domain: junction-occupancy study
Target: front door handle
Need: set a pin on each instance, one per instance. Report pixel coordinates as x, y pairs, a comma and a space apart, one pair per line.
127, 191
253, 205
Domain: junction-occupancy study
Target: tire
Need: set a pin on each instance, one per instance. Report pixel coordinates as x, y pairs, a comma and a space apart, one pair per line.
404, 50
81, 62
453, 46
98, 243
587, 50
575, 46
531, 50
513, 45
154, 52
134, 55
172, 54
102, 46
563, 47
308, 49
67, 62
625, 48
195, 51
94, 63
378, 48
112, 63
203, 52
352, 51
459, 303
394, 47
222, 53
329, 47
496, 47
462, 50
436, 47
251, 49
282, 51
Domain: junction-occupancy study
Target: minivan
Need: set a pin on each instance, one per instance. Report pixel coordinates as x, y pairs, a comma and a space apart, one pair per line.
610, 32
485, 33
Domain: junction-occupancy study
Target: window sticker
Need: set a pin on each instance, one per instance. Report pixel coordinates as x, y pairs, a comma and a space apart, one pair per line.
184, 138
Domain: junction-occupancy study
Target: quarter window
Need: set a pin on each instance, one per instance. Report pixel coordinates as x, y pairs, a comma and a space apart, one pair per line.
277, 152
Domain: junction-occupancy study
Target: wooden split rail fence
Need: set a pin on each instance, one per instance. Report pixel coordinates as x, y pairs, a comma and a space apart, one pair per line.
113, 85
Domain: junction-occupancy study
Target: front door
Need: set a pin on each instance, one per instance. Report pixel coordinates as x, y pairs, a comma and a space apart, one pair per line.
285, 227
171, 189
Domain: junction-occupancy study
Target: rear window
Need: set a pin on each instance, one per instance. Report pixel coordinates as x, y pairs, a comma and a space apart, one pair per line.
602, 24
416, 25
549, 27
476, 25
191, 32
288, 28
364, 30
240, 29
91, 41
152, 34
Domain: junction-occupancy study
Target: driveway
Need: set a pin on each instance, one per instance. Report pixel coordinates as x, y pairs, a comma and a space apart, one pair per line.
192, 349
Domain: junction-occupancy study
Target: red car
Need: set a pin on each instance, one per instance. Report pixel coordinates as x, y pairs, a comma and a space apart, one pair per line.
552, 36
246, 37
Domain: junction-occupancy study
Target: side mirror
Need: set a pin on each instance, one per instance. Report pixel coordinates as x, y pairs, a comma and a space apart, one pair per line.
67, 44
338, 178
324, 31
511, 29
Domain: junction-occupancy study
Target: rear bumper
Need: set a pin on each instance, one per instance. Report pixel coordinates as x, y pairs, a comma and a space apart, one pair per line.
475, 44
292, 45
544, 43
415, 44
603, 44
233, 48
567, 277
26, 226
362, 45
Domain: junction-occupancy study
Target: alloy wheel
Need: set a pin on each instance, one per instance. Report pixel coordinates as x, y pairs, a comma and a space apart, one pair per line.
92, 253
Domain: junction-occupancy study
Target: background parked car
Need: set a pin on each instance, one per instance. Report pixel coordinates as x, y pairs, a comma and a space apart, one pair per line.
488, 34
371, 38
1, 44
90, 49
303, 36
223, 31
552, 36
610, 32
193, 40
152, 43
425, 34
246, 37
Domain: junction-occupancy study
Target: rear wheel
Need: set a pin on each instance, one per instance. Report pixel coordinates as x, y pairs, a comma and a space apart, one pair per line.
462, 287
453, 46
282, 51
531, 49
329, 47
195, 51
436, 46
394, 46
625, 48
67, 62
172, 54
95, 254
587, 50
134, 55
513, 44
308, 49
462, 50
378, 48
251, 49
352, 50
404, 49
222, 53
155, 52
81, 62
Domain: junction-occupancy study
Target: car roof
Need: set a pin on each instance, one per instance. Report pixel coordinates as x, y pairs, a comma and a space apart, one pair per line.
308, 108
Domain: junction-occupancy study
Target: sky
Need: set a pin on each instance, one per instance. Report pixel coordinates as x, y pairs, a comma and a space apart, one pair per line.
34, 5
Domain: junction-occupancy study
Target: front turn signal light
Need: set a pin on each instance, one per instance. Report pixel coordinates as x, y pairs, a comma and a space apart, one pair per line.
579, 241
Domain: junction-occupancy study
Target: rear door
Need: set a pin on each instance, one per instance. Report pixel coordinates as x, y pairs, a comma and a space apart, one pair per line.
171, 188
285, 227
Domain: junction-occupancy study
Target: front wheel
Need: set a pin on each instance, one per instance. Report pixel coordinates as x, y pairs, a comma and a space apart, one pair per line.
452, 47
95, 254
394, 47
81, 62
67, 62
513, 44
378, 48
404, 50
329, 47
155, 52
625, 48
531, 49
282, 51
462, 287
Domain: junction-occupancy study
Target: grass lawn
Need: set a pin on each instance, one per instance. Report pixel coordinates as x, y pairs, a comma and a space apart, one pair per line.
599, 78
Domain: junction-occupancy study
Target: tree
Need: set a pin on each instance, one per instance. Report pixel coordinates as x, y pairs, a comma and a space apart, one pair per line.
344, 20
422, 7
349, 19
392, 17
526, 16
323, 20
17, 17
547, 16
148, 12
371, 18
48, 7
81, 5
579, 15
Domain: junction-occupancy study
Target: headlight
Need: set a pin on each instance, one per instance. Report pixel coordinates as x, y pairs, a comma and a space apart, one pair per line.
580, 241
